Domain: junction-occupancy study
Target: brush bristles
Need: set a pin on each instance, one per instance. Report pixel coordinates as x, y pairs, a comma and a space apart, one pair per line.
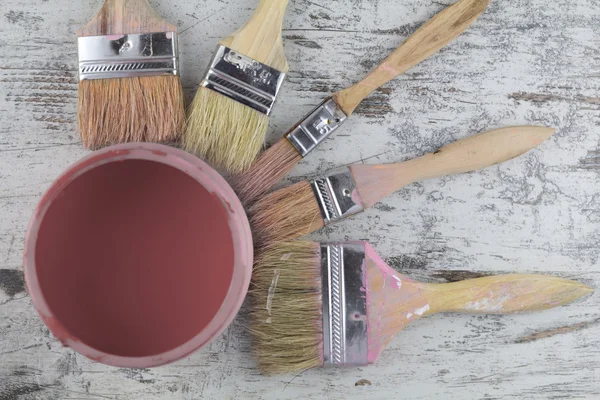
284, 215
143, 109
287, 313
269, 168
223, 131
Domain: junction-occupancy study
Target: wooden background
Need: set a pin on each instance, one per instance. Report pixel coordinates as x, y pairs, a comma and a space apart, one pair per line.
523, 62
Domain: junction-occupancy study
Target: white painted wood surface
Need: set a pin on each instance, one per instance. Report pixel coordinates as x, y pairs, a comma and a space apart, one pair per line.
524, 61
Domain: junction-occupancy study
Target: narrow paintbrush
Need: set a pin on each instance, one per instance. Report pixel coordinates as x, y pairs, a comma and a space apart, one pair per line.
307, 206
339, 304
278, 160
228, 119
129, 85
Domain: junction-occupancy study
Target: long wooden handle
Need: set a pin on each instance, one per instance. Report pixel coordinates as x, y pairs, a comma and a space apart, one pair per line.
427, 40
395, 300
118, 17
374, 182
261, 37
504, 294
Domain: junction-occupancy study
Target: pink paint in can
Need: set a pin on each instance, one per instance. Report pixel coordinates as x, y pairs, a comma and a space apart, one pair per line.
138, 255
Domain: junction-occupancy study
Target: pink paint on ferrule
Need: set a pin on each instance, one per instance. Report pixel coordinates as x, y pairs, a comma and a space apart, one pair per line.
138, 255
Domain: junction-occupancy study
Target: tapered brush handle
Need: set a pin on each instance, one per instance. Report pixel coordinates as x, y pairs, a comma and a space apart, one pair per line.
395, 300
504, 294
119, 17
374, 182
427, 40
261, 37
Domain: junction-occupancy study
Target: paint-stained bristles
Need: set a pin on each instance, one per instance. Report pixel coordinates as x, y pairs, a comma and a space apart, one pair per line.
269, 169
287, 320
284, 215
223, 131
142, 109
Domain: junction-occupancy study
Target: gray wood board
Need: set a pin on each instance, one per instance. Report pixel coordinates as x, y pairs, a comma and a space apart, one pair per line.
523, 62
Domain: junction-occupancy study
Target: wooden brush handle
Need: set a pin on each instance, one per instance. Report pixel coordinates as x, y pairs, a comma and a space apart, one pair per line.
261, 38
118, 17
427, 40
504, 294
395, 300
475, 152
374, 182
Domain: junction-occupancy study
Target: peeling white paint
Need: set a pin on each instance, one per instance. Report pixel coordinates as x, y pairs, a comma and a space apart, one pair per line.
522, 62
422, 310
489, 304
271, 293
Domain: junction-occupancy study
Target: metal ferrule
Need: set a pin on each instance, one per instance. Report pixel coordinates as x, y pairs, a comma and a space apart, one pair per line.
127, 56
316, 126
344, 305
336, 196
243, 79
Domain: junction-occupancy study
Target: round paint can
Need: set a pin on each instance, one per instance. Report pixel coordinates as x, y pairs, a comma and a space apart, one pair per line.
138, 255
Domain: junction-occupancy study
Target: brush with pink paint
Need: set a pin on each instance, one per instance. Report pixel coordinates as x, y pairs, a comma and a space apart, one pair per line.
330, 115
339, 304
307, 206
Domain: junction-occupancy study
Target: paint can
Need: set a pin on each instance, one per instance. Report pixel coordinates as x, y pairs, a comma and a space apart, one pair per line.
138, 255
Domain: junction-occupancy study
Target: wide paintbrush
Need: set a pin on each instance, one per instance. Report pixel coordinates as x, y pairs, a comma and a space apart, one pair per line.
129, 85
228, 119
320, 123
339, 304
307, 206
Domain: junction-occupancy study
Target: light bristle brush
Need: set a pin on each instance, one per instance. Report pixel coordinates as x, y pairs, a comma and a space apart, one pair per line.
307, 206
229, 117
129, 85
339, 305
320, 123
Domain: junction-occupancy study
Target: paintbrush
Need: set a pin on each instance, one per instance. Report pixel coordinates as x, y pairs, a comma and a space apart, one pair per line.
307, 206
320, 123
339, 304
129, 85
228, 119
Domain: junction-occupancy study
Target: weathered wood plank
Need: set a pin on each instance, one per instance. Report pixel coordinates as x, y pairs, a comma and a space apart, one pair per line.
523, 62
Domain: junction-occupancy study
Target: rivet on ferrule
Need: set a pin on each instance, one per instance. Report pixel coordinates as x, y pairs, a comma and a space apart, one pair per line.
243, 79
127, 56
316, 126
336, 195
345, 335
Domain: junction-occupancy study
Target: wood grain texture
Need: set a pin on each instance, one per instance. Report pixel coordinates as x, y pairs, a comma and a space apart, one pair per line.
523, 62
261, 37
117, 17
375, 182
505, 294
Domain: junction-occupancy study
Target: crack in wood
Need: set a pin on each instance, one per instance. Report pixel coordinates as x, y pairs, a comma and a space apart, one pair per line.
458, 275
558, 331
591, 161
548, 97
